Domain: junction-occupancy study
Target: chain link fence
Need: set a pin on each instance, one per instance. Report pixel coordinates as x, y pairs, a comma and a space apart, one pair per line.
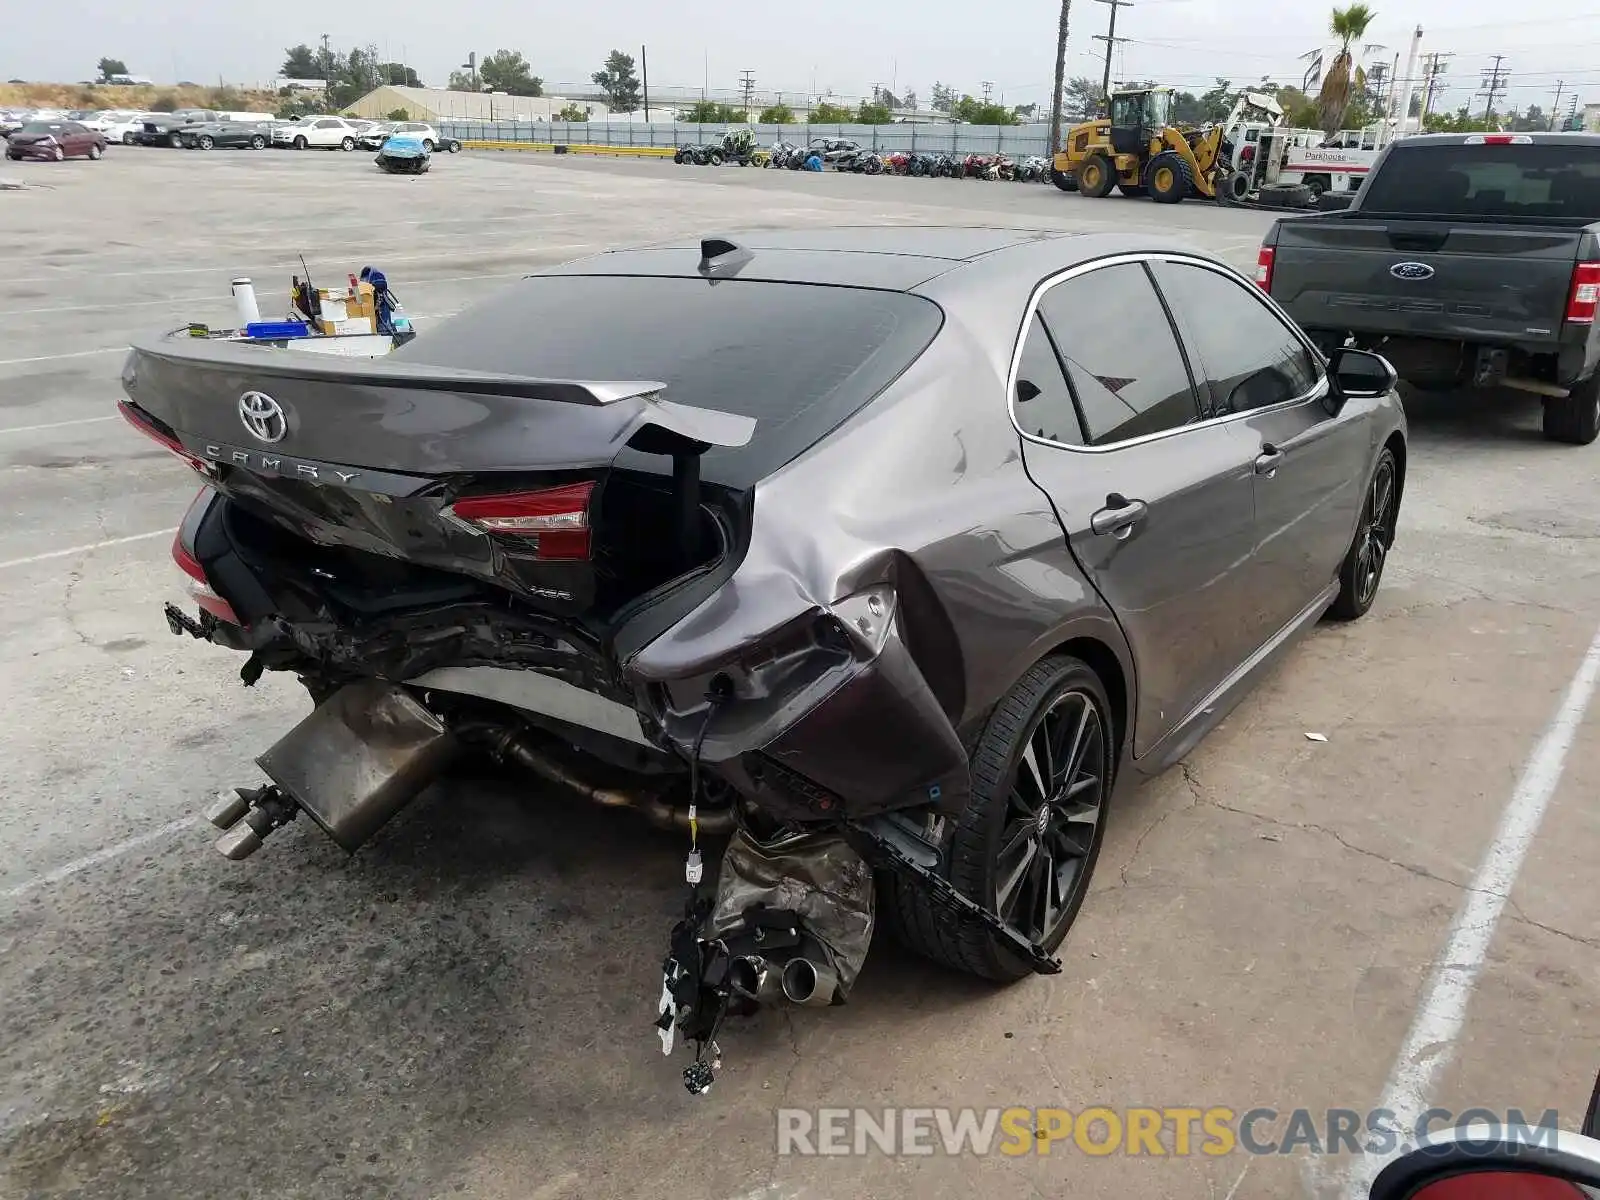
1015, 141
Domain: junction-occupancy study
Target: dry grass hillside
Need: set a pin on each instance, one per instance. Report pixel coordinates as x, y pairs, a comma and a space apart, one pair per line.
80, 95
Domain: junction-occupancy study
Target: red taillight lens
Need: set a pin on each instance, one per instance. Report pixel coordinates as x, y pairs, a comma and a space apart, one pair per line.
199, 587
1585, 294
555, 519
144, 425
1248, 154
1264, 268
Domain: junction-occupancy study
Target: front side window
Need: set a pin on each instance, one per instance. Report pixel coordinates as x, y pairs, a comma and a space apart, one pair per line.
1249, 358
1121, 355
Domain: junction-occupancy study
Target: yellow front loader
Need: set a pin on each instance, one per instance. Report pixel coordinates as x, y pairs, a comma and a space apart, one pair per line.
1139, 151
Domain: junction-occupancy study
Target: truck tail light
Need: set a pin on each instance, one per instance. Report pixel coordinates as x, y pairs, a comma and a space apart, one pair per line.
1264, 268
1499, 139
199, 586
1585, 294
554, 520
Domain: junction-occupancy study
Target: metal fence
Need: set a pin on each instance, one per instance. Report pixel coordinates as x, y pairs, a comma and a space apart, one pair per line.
1016, 141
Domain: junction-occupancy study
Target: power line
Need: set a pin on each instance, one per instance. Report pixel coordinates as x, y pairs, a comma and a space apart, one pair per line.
747, 85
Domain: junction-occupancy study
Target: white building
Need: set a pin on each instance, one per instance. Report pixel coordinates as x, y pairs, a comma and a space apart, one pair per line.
438, 104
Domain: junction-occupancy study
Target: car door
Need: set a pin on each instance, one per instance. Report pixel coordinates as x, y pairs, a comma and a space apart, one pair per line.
1155, 502
1310, 467
327, 133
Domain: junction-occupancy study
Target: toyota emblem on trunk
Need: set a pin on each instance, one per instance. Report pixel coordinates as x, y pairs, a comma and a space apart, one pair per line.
1411, 270
263, 417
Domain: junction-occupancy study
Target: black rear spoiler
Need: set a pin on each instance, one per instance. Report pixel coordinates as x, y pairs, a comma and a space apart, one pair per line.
339, 406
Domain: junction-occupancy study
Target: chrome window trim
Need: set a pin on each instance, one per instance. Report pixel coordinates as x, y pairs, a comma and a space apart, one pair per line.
1316, 392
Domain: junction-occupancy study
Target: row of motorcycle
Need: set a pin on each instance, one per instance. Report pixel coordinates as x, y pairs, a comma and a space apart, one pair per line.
842, 154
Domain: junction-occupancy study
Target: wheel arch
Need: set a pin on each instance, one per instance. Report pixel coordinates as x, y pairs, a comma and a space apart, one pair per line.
1396, 445
1105, 663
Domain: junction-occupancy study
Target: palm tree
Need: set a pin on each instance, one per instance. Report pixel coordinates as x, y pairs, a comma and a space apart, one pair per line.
1061, 70
1348, 24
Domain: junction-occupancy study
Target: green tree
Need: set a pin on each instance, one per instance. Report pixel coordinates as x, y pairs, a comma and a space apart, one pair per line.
709, 112
1349, 25
111, 66
399, 75
909, 100
1082, 98
618, 81
507, 71
828, 113
302, 62
461, 81
776, 114
873, 114
943, 98
979, 112
1216, 102
1460, 121
1025, 112
1187, 109
572, 112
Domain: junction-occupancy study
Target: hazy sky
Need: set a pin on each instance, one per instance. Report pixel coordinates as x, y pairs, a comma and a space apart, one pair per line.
843, 45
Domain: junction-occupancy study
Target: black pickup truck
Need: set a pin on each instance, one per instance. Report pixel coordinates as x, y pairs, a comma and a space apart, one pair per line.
1467, 260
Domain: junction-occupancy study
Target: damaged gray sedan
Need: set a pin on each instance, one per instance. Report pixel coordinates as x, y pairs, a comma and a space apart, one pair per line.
885, 550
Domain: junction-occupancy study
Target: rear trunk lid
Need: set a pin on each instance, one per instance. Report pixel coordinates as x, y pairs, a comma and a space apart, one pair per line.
499, 477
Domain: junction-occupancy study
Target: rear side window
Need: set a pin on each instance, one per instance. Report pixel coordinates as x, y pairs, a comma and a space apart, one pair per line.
1043, 404
1121, 355
799, 358
1552, 182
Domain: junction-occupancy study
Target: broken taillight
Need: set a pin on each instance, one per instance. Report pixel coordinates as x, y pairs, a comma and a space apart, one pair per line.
155, 433
1584, 297
199, 586
1264, 259
555, 520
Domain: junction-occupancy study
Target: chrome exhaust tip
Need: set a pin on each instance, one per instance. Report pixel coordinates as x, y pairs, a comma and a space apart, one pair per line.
227, 808
809, 984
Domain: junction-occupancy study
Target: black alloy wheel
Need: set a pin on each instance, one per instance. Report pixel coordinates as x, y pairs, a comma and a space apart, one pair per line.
1362, 570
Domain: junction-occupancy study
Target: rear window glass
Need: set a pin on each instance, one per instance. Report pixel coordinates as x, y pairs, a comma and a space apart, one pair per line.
799, 358
1552, 182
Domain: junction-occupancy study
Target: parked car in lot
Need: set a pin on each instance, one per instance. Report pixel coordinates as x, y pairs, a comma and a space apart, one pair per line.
12, 119
374, 138
317, 133
124, 129
1469, 260
226, 135
160, 129
55, 139
934, 599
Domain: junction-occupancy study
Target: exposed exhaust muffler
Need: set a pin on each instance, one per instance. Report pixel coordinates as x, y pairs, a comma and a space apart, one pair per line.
359, 758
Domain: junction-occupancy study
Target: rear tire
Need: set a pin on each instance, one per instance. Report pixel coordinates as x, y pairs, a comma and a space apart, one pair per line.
127, 139
95, 152
300, 142
1095, 176
258, 143
206, 143
1362, 569
1000, 851
1574, 419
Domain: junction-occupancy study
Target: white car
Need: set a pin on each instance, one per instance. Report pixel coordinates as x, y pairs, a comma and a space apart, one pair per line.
431, 138
120, 127
317, 133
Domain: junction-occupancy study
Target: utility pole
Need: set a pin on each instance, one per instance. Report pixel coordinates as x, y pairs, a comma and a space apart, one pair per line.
1555, 107
1494, 82
1110, 38
327, 61
747, 84
644, 72
1438, 61
988, 87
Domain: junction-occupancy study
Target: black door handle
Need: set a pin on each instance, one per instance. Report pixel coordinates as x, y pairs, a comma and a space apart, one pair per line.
1269, 460
1119, 516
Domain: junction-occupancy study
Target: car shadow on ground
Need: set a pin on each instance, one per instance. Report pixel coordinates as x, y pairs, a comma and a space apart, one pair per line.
485, 969
1497, 415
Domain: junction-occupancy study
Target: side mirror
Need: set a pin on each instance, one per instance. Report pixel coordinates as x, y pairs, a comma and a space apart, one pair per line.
1510, 1162
1360, 373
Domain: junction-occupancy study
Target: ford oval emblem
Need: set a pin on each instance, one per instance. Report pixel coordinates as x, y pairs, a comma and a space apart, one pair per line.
1411, 270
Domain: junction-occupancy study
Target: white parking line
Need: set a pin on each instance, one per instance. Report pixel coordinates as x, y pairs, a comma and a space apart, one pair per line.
105, 854
13, 362
71, 550
54, 425
1430, 1042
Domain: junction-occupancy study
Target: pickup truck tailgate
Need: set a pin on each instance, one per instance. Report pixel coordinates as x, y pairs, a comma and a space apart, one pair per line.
1494, 284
